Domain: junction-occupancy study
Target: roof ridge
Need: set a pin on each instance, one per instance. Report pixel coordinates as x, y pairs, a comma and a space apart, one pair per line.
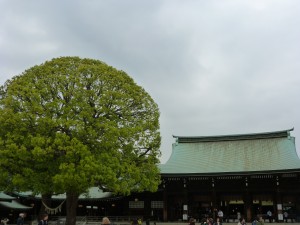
233, 137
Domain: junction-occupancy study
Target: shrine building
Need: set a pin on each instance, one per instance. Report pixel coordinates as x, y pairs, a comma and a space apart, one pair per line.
244, 175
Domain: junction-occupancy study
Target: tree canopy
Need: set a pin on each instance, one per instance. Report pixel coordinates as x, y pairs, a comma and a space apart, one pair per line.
71, 123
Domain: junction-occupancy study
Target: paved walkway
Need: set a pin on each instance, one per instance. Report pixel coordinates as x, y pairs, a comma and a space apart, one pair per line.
182, 223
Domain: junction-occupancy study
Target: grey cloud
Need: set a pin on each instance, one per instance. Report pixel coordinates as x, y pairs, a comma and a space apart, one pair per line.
213, 67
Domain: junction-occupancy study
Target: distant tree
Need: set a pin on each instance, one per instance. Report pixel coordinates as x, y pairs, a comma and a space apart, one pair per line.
70, 124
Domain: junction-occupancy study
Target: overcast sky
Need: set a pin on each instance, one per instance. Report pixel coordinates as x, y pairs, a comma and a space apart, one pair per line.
213, 67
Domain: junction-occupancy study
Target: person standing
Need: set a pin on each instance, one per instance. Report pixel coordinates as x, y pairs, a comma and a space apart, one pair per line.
218, 221
44, 219
285, 216
260, 221
140, 221
5, 221
220, 215
269, 214
254, 222
20, 220
135, 221
238, 216
242, 221
207, 221
105, 221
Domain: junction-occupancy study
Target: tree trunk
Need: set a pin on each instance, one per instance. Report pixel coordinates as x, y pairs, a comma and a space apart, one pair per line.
71, 204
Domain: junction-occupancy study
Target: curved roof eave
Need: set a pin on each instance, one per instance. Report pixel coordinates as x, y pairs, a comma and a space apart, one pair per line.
230, 173
231, 137
94, 193
15, 205
5, 197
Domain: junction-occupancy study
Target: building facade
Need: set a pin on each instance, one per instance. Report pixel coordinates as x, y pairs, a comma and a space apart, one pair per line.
243, 175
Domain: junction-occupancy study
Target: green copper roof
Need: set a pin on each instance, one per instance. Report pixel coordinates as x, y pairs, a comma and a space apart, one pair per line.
4, 196
14, 205
249, 153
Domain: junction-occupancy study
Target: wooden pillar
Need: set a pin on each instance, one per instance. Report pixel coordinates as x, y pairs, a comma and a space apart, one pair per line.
165, 210
165, 199
248, 206
248, 201
227, 210
185, 206
278, 202
185, 191
214, 200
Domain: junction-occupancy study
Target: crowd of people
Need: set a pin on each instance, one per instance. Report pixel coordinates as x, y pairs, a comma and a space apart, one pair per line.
218, 221
241, 221
137, 221
219, 218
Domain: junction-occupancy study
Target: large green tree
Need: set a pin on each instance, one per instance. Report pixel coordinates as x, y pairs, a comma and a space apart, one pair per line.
70, 124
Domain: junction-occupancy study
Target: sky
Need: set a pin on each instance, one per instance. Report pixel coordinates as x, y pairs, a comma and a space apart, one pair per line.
213, 67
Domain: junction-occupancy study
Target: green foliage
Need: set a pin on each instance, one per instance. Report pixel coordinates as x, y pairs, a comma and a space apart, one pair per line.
71, 123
